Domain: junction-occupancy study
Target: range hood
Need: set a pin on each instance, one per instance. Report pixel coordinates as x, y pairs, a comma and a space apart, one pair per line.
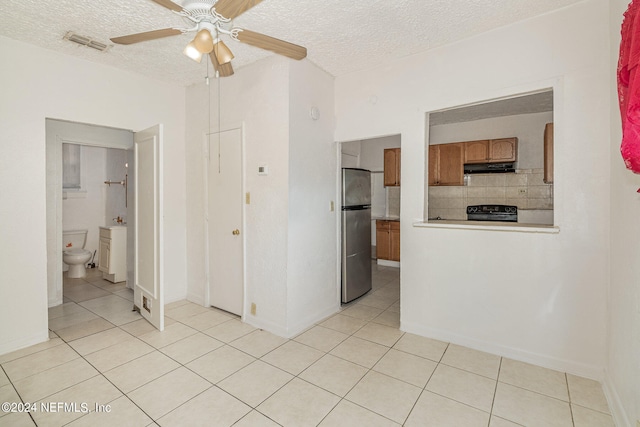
490, 168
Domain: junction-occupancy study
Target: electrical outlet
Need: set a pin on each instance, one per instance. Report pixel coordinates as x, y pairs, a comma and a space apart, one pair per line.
253, 308
522, 191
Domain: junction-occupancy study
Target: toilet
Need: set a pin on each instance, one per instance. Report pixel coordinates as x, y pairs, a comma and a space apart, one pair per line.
73, 254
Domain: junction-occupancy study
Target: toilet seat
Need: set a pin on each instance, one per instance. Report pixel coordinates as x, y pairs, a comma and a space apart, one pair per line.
76, 251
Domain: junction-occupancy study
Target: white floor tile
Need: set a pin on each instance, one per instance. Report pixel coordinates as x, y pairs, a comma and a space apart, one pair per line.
363, 312
255, 419
336, 375
46, 383
528, 408
293, 357
385, 396
122, 412
140, 371
255, 383
99, 341
587, 393
534, 378
220, 363
172, 333
38, 362
229, 331
584, 417
359, 351
213, 407
433, 410
161, 396
421, 346
406, 367
190, 348
299, 403
463, 386
475, 361
350, 414
345, 324
323, 339
118, 354
258, 343
379, 334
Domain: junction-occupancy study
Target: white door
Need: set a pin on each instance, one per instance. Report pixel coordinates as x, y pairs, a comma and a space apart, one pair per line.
148, 277
225, 221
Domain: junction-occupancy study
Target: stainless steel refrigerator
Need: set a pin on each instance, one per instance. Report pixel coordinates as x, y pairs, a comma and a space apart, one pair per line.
356, 233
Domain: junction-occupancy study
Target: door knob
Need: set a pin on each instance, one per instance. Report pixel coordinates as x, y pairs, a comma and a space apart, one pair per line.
236, 232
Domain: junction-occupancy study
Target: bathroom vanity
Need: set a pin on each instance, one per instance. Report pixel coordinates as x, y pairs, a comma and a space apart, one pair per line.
112, 259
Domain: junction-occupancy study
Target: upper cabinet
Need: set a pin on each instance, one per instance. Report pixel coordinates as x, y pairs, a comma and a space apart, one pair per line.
392, 167
503, 150
476, 151
548, 153
490, 150
446, 161
446, 164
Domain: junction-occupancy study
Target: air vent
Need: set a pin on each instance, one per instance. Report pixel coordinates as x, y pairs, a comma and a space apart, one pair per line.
86, 41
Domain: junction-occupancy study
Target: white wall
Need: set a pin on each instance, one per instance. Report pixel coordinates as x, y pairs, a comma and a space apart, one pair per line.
257, 98
552, 309
312, 293
88, 212
71, 89
623, 369
290, 246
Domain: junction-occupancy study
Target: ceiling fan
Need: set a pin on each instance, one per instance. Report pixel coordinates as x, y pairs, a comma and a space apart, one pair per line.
210, 19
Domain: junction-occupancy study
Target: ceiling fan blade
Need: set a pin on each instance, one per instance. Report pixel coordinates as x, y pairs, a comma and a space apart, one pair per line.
225, 70
278, 46
169, 5
233, 8
143, 37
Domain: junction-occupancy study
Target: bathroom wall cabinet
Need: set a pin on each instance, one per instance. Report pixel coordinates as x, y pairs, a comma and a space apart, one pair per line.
112, 259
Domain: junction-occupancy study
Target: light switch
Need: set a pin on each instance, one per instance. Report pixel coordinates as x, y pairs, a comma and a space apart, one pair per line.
247, 198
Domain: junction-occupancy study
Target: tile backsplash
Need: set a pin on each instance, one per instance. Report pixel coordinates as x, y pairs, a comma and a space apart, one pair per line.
394, 201
524, 189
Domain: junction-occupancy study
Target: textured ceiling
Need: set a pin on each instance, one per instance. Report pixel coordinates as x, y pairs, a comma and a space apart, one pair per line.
341, 36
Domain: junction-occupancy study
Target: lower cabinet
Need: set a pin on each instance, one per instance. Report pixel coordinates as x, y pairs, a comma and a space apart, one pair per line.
112, 260
388, 240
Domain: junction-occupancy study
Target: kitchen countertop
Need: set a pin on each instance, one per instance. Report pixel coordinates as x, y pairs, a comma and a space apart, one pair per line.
385, 218
488, 225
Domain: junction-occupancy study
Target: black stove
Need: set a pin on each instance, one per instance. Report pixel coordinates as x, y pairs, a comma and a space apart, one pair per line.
502, 213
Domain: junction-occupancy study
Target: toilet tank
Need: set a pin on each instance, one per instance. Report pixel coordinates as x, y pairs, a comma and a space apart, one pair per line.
74, 239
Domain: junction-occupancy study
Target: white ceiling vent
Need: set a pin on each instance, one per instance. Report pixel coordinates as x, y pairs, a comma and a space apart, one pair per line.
86, 41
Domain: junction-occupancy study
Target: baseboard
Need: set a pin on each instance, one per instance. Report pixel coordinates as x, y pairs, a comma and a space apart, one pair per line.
196, 298
266, 325
572, 367
9, 347
309, 321
387, 263
290, 332
620, 417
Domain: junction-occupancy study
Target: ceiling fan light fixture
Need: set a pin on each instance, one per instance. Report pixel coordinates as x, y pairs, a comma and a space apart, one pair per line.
222, 52
203, 41
192, 52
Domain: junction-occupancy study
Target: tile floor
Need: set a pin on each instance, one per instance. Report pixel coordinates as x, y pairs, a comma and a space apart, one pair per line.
208, 368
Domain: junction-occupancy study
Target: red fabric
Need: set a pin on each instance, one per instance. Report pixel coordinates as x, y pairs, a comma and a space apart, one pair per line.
629, 87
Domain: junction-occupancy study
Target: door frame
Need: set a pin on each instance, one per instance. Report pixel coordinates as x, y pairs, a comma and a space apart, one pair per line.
58, 132
205, 198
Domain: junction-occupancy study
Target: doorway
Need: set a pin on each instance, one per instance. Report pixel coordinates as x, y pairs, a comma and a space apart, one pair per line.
225, 220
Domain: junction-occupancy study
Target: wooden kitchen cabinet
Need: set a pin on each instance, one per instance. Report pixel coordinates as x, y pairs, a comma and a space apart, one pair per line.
446, 164
476, 151
503, 150
388, 240
392, 167
548, 153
